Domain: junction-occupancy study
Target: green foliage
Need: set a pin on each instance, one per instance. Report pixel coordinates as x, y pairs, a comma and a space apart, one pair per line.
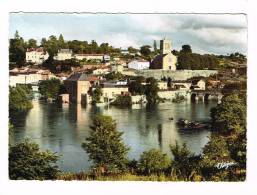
178, 98
50, 88
145, 50
26, 161
136, 87
32, 43
215, 152
122, 101
186, 49
230, 115
19, 99
105, 146
236, 87
97, 93
193, 61
154, 161
114, 76
184, 162
17, 51
151, 90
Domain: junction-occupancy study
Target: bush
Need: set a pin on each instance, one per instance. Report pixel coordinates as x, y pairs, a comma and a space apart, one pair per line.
26, 161
19, 99
122, 101
50, 88
153, 161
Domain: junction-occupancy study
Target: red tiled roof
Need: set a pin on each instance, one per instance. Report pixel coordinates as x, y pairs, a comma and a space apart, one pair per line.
40, 49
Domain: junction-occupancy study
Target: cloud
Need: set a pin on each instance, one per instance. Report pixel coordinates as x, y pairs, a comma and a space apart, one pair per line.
213, 33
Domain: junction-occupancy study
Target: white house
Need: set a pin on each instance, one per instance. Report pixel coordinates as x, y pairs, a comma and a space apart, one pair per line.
198, 84
83, 56
139, 64
36, 55
63, 54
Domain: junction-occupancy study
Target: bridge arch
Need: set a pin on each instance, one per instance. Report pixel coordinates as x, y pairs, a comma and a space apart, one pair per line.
194, 97
206, 96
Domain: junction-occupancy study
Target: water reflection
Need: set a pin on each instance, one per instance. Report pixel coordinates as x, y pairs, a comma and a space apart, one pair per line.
63, 128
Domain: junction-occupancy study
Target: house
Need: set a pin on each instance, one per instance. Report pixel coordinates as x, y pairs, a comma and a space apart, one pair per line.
117, 68
139, 64
63, 54
112, 90
106, 58
99, 57
162, 85
36, 55
28, 76
180, 85
166, 60
198, 84
124, 52
77, 86
100, 71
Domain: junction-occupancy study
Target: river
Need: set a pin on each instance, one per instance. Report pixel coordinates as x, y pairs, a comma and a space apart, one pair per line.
63, 128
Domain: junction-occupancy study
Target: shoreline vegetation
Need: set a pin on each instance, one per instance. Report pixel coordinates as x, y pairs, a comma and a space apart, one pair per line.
223, 157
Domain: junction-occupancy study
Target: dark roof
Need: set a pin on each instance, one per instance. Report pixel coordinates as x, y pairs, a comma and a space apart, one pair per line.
78, 77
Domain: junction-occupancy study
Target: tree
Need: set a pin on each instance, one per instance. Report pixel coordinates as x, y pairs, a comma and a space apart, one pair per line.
186, 49
154, 161
184, 162
97, 93
215, 152
105, 146
61, 43
145, 50
136, 88
50, 88
230, 115
51, 45
155, 47
151, 90
19, 99
26, 161
17, 50
32, 43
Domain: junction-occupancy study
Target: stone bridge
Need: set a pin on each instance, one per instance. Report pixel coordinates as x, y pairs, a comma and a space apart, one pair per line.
206, 95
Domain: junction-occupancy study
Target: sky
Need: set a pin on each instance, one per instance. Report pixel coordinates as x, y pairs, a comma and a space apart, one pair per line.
206, 33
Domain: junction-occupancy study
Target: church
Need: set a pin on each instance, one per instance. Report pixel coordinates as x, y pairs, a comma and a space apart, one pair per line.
166, 60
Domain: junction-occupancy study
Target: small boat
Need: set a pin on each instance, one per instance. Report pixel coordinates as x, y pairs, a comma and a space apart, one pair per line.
171, 118
182, 122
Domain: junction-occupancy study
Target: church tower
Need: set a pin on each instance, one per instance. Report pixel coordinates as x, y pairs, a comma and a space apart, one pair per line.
165, 46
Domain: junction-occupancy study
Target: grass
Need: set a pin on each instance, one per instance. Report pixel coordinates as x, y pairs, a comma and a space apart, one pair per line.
117, 177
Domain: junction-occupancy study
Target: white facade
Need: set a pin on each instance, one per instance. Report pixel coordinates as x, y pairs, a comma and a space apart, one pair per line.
139, 64
89, 56
63, 54
113, 92
37, 56
162, 85
24, 79
101, 71
200, 85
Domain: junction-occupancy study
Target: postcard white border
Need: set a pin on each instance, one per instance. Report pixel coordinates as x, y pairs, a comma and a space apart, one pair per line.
135, 6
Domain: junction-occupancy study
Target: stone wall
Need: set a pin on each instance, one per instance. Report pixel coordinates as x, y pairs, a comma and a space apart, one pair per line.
175, 75
136, 99
169, 95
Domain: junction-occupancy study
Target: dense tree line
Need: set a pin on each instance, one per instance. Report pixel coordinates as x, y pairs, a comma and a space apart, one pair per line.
50, 89
193, 61
18, 47
20, 98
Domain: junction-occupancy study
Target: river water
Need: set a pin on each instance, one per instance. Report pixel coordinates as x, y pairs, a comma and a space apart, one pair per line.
63, 128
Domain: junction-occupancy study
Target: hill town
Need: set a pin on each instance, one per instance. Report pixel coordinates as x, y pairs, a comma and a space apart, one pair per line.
137, 113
